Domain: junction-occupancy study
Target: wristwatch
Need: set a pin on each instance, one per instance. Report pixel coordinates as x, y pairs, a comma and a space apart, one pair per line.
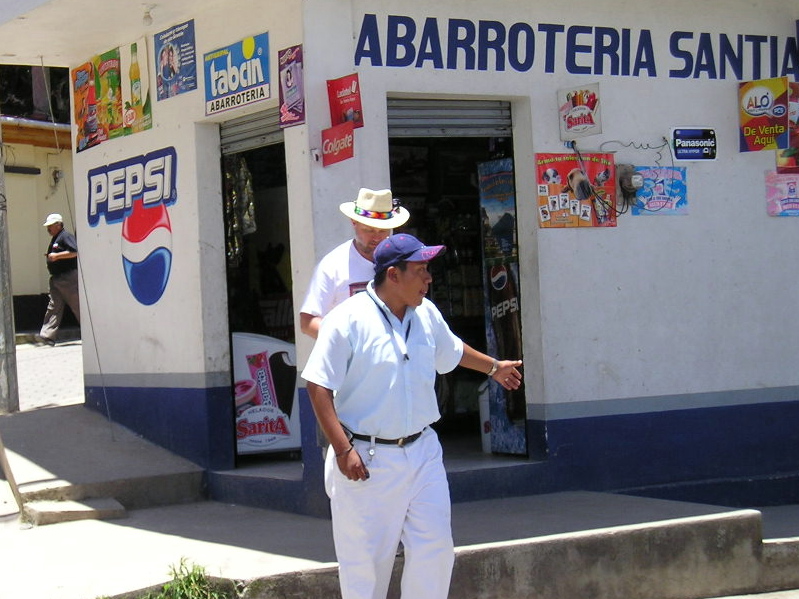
494, 367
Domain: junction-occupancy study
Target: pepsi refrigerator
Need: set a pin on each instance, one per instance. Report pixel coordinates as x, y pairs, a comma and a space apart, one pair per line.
507, 409
265, 394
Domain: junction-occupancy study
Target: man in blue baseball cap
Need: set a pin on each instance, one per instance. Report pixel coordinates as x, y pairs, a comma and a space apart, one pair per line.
371, 378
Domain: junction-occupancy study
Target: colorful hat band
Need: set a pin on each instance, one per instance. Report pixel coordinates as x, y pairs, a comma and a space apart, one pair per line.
377, 215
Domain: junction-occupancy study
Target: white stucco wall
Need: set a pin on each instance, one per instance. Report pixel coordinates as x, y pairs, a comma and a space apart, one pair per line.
655, 306
30, 199
183, 338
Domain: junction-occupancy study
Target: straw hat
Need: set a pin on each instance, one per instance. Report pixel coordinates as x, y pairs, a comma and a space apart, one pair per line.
376, 209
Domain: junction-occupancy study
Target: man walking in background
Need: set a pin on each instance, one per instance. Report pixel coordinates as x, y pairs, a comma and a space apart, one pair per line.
62, 263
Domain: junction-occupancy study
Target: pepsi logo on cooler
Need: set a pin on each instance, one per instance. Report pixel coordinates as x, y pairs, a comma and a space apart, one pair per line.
499, 277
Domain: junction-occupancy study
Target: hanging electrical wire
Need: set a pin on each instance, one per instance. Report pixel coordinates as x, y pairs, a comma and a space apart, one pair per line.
658, 148
81, 270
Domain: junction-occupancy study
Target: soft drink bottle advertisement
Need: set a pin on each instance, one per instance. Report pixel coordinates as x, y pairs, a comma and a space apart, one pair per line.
507, 409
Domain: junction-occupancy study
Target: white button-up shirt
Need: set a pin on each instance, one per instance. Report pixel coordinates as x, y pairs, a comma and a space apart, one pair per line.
361, 355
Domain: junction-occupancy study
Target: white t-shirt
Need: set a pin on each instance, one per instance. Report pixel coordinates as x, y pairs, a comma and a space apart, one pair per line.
343, 272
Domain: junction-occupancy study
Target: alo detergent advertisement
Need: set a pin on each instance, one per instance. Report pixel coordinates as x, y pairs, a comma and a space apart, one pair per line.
763, 110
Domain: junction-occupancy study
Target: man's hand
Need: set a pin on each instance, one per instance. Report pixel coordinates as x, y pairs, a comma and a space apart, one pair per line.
351, 465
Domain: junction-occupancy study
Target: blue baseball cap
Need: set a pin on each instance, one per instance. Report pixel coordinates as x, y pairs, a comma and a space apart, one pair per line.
403, 248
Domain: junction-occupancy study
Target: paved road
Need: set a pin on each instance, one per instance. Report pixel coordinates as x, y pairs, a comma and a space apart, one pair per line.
50, 376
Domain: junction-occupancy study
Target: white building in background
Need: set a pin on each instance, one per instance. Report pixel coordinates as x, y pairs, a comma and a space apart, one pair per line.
37, 159
660, 353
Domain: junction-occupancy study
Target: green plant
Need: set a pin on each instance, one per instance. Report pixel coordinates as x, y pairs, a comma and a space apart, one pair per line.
188, 582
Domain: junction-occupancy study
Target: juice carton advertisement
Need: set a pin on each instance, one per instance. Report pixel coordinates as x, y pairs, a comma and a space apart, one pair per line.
265, 393
109, 93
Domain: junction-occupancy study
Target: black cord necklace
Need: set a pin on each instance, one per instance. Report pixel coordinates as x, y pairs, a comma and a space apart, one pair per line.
404, 348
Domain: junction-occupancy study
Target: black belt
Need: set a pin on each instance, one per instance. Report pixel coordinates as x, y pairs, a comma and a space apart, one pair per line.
401, 442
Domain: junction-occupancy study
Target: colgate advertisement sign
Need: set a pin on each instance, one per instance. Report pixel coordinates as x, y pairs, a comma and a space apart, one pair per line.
338, 143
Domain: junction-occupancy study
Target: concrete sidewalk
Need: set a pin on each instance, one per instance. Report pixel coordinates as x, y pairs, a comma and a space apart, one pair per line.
583, 539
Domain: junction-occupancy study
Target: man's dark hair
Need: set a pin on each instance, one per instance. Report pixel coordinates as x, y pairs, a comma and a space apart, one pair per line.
380, 277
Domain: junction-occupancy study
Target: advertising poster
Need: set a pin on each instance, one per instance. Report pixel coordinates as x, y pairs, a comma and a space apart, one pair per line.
265, 391
109, 94
112, 95
237, 75
338, 143
788, 159
175, 60
136, 111
87, 120
579, 112
292, 88
694, 143
781, 194
664, 191
344, 97
507, 409
576, 190
763, 113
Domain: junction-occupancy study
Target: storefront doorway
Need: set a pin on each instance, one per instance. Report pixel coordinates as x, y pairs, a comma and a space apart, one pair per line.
435, 148
259, 283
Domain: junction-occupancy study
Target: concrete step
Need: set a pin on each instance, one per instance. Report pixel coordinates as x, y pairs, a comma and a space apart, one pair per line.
41, 513
71, 453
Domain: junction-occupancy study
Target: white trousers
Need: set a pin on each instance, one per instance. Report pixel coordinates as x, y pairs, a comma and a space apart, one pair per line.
406, 498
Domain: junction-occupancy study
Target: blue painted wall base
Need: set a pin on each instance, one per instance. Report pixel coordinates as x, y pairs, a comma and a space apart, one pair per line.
197, 424
737, 455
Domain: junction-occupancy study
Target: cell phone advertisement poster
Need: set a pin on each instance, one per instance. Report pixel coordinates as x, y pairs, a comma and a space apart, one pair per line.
782, 194
175, 60
664, 191
344, 97
763, 114
292, 92
576, 190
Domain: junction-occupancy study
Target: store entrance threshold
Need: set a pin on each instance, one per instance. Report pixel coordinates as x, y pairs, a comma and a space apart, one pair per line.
294, 482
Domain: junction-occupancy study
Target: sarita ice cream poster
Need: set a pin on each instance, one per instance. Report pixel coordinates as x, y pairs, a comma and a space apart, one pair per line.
265, 397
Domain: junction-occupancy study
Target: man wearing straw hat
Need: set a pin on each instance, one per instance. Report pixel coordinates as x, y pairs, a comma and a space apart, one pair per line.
346, 269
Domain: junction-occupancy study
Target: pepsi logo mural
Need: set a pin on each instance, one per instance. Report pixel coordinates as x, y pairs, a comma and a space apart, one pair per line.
136, 192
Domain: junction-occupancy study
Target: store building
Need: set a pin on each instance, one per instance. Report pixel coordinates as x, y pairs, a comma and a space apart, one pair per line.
658, 346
